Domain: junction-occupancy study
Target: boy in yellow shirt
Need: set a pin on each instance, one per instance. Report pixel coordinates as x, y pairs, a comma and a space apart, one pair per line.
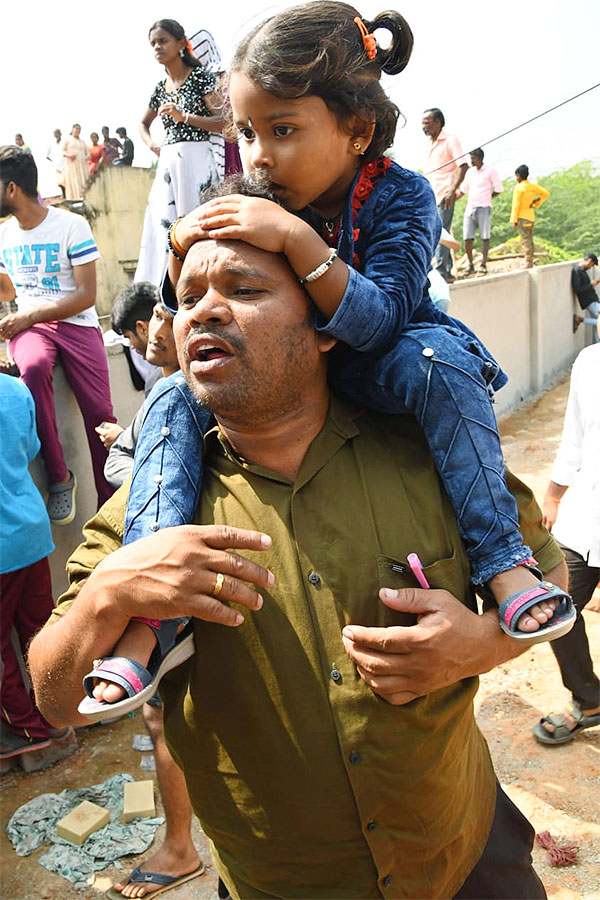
526, 196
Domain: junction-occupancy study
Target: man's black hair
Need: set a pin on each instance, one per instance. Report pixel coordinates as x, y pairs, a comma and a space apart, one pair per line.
19, 166
478, 152
522, 172
437, 114
255, 185
133, 304
121, 130
593, 258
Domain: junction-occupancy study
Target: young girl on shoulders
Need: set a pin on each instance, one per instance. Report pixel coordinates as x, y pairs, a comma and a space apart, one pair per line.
359, 232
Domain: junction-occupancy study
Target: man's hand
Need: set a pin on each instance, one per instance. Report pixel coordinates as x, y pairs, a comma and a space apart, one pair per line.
259, 222
449, 642
108, 432
449, 198
549, 512
14, 323
176, 571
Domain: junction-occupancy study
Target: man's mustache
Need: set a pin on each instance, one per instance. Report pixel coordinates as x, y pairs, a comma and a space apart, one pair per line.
236, 342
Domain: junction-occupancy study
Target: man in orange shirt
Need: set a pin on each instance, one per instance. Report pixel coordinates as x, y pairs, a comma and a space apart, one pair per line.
445, 168
527, 196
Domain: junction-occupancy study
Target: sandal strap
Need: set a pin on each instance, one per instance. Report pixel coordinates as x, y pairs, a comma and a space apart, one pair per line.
139, 877
127, 673
514, 606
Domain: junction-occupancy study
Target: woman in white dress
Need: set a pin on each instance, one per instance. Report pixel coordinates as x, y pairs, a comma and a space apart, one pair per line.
186, 102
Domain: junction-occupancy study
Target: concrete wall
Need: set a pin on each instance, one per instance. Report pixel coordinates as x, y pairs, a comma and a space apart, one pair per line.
126, 401
114, 204
525, 319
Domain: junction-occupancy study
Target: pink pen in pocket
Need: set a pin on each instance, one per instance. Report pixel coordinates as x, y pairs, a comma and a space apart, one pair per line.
417, 569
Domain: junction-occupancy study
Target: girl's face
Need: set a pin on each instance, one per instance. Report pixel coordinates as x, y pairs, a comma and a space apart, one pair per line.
166, 47
94, 138
298, 143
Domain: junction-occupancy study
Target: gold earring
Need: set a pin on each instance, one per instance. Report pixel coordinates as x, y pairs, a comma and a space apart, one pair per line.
357, 147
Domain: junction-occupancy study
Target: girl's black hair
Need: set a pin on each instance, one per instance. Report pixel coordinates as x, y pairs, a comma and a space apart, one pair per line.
176, 31
317, 49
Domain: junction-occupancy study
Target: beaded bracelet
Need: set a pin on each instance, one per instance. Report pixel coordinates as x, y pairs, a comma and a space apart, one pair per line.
175, 248
320, 270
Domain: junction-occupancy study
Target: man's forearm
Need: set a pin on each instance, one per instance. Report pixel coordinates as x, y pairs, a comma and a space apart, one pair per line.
58, 310
63, 652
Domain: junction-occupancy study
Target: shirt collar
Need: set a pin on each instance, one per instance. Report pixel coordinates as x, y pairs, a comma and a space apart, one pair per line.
340, 425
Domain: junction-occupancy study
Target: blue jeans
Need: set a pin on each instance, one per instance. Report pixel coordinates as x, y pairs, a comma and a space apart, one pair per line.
443, 258
439, 374
590, 314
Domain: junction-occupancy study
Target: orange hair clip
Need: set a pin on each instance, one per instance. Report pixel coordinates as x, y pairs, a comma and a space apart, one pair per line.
189, 48
369, 41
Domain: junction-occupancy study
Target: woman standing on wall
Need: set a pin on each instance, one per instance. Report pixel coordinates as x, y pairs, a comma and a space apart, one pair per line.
186, 102
76, 168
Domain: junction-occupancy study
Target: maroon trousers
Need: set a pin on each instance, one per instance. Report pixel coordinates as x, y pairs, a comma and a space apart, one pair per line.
83, 358
25, 602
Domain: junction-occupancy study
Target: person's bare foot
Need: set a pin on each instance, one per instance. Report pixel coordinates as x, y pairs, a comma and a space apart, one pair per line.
521, 579
168, 860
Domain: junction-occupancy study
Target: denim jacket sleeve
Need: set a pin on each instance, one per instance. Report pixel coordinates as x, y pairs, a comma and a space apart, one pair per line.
398, 231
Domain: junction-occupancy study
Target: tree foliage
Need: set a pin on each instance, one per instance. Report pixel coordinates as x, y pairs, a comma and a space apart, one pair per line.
569, 221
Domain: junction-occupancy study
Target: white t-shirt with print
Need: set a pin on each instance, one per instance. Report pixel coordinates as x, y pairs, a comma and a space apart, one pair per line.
39, 261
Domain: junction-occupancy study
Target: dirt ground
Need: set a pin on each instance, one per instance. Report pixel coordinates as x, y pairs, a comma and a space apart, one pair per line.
556, 787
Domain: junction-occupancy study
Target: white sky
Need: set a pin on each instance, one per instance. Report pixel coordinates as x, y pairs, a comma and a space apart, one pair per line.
488, 66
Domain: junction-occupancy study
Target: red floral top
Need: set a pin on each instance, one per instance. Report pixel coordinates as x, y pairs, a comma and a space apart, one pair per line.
370, 174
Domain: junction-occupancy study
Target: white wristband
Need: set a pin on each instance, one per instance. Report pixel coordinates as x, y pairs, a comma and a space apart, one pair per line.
320, 270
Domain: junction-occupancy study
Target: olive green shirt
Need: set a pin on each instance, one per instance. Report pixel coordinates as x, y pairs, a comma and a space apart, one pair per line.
308, 784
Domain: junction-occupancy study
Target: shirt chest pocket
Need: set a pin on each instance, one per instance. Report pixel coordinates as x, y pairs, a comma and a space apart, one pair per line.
448, 574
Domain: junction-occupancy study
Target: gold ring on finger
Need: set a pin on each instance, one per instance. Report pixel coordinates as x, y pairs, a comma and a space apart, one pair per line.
218, 584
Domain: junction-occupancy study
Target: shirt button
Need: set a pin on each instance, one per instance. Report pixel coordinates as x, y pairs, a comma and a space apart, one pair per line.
154, 526
158, 479
165, 430
371, 826
386, 881
314, 578
335, 675
354, 758
427, 351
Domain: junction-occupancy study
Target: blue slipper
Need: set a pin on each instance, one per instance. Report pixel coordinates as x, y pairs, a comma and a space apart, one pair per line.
513, 607
167, 881
140, 683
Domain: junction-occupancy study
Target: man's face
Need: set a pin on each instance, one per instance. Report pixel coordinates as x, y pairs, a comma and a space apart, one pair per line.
160, 350
138, 339
245, 333
58, 134
430, 125
475, 160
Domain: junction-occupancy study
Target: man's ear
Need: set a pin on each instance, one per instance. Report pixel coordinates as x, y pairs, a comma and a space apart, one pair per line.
141, 328
325, 342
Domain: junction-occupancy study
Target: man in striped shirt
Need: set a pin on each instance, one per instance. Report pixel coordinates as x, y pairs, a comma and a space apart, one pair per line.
47, 265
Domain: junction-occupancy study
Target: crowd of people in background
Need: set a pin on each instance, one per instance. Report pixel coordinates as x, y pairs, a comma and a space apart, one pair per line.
75, 162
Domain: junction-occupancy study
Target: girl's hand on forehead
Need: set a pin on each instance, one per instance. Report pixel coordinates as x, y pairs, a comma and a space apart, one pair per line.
259, 222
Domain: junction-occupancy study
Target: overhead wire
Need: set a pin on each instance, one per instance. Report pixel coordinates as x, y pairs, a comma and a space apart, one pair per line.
516, 127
